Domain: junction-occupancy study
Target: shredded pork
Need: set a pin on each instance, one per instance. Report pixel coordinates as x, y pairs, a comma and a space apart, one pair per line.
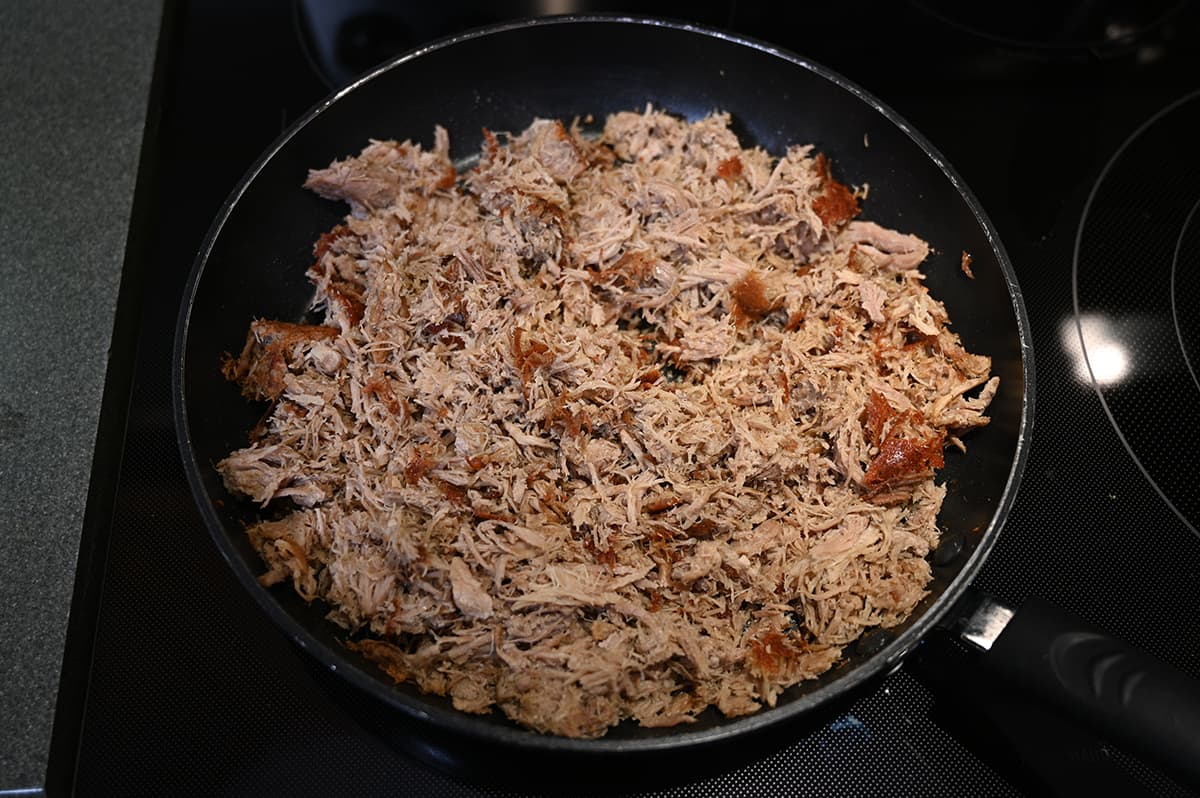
605, 427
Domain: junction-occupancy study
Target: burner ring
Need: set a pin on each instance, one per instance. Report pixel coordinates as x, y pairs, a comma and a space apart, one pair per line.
1134, 297
1188, 248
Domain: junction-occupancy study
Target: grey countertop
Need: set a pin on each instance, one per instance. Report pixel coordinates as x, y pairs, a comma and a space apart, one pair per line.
76, 80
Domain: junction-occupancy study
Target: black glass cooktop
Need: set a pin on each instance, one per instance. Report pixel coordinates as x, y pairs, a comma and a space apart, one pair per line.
1075, 129
1137, 298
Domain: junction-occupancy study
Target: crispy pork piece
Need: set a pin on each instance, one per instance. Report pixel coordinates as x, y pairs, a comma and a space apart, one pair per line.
272, 349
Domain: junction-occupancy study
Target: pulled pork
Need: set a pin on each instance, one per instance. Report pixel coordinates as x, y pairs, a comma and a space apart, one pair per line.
605, 427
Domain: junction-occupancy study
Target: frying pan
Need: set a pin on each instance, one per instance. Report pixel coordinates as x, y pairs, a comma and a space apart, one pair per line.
252, 265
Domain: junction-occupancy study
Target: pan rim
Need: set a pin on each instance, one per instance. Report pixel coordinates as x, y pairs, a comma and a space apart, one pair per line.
680, 737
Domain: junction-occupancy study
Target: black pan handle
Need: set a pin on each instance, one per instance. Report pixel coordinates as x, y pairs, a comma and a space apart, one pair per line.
1136, 701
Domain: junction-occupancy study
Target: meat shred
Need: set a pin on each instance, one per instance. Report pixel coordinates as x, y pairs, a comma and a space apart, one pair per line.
607, 427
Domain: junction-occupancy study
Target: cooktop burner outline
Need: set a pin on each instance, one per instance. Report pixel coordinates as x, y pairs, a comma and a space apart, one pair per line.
1088, 344
1191, 224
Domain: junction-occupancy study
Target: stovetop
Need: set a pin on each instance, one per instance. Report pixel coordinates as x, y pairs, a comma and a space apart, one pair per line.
1072, 128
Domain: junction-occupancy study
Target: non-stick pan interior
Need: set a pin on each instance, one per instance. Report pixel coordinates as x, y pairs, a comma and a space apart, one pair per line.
253, 264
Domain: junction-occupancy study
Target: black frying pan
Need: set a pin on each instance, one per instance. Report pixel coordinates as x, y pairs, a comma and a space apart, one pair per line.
253, 261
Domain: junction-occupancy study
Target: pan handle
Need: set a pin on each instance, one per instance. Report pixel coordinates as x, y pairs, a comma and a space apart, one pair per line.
1138, 702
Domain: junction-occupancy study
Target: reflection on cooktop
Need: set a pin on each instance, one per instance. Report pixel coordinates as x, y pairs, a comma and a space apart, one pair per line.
1135, 299
344, 39
1106, 28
